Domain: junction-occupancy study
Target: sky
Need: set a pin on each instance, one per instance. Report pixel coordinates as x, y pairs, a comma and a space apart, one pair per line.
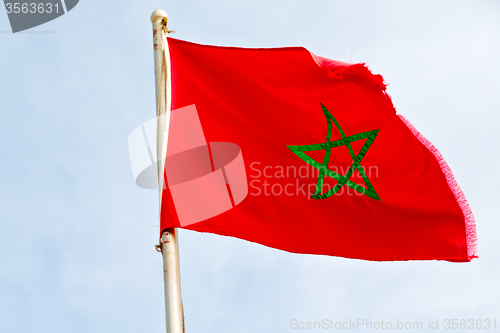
77, 235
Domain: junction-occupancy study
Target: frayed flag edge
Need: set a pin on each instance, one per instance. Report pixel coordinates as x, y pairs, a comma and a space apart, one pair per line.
470, 223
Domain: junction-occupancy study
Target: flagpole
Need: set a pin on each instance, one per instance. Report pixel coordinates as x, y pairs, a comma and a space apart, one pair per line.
169, 241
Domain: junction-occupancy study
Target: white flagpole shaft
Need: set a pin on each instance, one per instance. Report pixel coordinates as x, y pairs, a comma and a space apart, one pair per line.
169, 241
172, 281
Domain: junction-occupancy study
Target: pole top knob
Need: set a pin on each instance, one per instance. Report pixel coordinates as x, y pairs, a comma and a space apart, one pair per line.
158, 14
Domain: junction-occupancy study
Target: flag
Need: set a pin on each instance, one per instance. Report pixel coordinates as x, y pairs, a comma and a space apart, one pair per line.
304, 154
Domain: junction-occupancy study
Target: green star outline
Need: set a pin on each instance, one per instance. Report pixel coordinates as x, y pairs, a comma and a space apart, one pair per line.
323, 167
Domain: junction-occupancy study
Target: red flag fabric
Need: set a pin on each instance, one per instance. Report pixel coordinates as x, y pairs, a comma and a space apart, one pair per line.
305, 154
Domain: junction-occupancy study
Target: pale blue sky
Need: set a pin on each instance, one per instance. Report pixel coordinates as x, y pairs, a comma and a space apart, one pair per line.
76, 246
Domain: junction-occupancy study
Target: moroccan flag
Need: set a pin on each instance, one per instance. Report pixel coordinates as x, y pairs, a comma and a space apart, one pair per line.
304, 154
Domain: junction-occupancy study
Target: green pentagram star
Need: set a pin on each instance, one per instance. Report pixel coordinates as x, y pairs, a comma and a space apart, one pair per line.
323, 167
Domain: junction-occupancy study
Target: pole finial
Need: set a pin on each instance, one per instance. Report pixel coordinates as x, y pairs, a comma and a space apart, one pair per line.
158, 14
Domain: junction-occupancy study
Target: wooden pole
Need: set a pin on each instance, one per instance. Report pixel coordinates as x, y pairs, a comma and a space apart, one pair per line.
169, 241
